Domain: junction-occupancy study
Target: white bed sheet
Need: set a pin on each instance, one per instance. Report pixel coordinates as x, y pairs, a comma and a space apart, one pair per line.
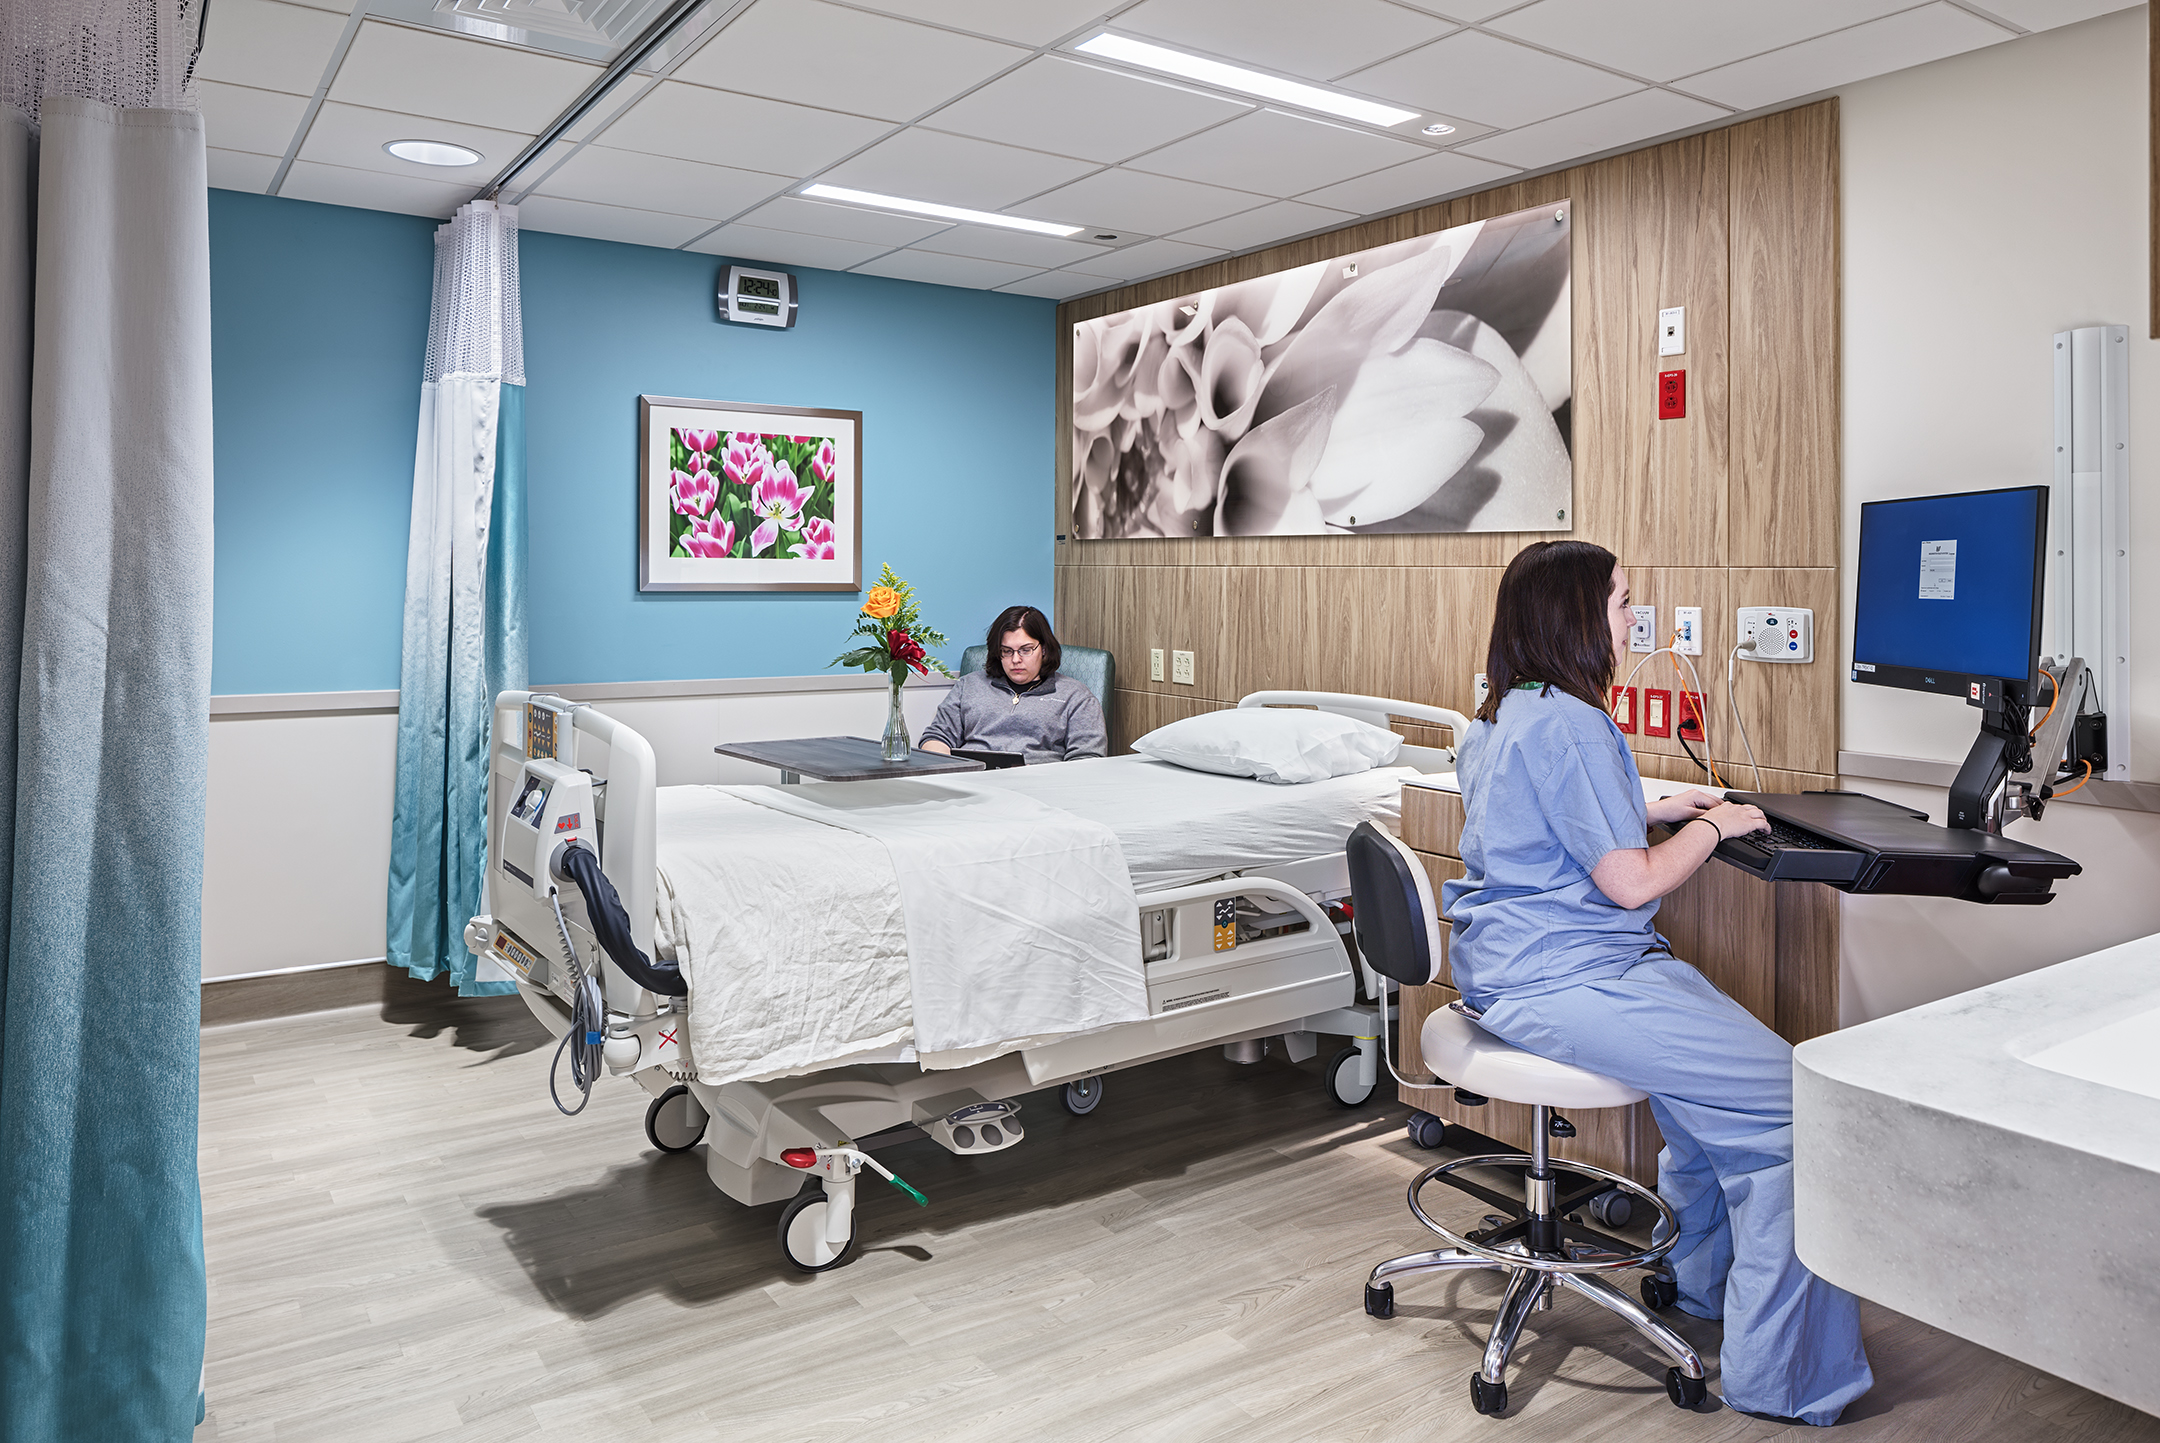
1178, 825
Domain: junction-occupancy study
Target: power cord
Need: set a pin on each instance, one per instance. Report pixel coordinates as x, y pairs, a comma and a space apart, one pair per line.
1731, 700
587, 1036
1680, 660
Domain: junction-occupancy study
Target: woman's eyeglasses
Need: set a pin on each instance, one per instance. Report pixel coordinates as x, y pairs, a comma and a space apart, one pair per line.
1018, 653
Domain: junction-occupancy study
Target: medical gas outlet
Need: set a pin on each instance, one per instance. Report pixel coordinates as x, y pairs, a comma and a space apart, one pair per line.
1780, 633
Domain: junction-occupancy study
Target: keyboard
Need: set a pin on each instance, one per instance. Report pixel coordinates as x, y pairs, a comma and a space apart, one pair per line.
1790, 853
1783, 836
1862, 844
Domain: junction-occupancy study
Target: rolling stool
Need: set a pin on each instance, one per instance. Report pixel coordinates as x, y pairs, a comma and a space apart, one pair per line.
1396, 922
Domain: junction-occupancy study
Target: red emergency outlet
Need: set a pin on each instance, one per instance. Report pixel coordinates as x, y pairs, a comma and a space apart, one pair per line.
1671, 395
1691, 715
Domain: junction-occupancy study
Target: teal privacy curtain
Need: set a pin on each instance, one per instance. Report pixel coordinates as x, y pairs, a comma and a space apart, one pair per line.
105, 563
464, 594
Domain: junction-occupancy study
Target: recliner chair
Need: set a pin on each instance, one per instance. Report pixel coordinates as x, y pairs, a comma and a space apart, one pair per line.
1397, 923
1093, 668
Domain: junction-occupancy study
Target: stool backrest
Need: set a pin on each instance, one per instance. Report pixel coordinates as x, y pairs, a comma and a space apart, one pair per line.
1393, 911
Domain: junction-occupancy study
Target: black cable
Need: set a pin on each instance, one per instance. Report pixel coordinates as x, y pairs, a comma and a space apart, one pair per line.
611, 925
1708, 775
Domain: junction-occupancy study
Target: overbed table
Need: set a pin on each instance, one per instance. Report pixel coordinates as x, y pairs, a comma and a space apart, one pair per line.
840, 759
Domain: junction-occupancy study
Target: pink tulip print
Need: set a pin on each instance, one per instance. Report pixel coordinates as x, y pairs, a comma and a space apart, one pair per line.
742, 495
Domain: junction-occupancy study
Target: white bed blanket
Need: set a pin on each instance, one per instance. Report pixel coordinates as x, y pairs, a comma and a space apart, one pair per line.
1020, 918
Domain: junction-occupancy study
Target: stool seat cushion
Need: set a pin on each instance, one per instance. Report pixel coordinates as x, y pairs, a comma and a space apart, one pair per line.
1469, 1057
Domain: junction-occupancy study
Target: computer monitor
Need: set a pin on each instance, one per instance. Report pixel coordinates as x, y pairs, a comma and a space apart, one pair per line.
1950, 592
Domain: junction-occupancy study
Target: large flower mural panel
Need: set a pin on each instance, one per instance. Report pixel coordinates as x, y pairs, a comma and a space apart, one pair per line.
1421, 386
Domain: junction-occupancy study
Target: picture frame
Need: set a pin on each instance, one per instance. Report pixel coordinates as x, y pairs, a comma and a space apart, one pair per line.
740, 497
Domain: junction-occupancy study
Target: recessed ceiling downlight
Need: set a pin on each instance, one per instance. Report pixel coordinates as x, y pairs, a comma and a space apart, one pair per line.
433, 152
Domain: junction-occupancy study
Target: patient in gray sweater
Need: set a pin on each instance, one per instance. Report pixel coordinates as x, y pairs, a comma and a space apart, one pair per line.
1018, 702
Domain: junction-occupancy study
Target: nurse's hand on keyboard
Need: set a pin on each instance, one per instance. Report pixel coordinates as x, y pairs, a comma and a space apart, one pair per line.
1736, 819
1681, 808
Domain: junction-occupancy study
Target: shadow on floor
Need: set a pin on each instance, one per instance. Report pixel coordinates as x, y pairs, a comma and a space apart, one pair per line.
498, 1026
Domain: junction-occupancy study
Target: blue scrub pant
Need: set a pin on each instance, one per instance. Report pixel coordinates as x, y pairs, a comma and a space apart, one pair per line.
1720, 1086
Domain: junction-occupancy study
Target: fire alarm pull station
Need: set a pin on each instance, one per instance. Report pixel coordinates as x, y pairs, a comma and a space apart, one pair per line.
1671, 395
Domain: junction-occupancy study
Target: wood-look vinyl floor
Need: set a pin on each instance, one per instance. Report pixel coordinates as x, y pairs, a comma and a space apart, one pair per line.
405, 1241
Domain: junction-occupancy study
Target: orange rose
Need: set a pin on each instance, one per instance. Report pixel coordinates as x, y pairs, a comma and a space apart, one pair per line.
882, 602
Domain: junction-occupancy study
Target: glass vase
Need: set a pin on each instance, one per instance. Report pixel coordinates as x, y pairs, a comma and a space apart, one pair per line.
895, 746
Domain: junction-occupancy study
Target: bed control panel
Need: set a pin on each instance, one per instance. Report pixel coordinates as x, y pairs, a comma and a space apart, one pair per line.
1225, 924
553, 805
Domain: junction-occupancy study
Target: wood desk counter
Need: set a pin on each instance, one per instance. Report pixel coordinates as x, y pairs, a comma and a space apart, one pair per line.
1764, 944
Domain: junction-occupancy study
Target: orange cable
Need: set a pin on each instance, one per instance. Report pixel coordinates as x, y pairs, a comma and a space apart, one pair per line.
2081, 781
2053, 702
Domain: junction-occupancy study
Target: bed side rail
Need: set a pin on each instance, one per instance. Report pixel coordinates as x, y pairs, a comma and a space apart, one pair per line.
1373, 709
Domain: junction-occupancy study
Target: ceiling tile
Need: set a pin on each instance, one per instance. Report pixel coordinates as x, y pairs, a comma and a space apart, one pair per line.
1661, 39
241, 170
1492, 81
658, 183
236, 117
868, 64
1273, 153
1148, 204
373, 189
1913, 38
954, 170
755, 243
448, 77
351, 135
269, 46
607, 222
1599, 127
1469, 12
1265, 226
1408, 185
1055, 285
618, 102
744, 131
941, 270
1071, 108
1149, 258
2047, 14
1038, 22
841, 222
1293, 37
1018, 247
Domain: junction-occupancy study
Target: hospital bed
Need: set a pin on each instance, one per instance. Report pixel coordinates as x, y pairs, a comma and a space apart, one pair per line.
1240, 887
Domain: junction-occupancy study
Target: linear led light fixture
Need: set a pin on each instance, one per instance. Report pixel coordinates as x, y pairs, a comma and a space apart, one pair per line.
931, 208
1238, 78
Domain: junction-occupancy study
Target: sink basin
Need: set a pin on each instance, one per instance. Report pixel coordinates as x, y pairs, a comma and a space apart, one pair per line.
2123, 1055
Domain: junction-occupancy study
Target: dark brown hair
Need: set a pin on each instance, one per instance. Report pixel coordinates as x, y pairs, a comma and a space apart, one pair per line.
1036, 625
1549, 624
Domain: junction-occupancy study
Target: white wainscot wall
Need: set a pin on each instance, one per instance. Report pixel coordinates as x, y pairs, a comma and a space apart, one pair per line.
297, 844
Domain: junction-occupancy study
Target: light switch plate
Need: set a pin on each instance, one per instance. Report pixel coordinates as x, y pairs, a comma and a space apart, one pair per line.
1154, 663
1642, 635
1181, 668
1781, 633
1687, 630
1672, 331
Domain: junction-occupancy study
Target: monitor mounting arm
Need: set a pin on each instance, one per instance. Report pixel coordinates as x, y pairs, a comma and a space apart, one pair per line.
2006, 775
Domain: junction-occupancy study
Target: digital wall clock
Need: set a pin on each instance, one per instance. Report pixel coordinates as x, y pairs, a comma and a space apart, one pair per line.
753, 297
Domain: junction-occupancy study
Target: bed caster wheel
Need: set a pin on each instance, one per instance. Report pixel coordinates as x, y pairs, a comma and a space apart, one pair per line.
1659, 1293
1380, 1300
1487, 1397
1082, 1097
1342, 1083
1427, 1131
1612, 1209
802, 1233
1684, 1391
675, 1121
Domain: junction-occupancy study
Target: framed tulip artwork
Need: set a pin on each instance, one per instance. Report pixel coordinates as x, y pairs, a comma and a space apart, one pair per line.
736, 497
1420, 386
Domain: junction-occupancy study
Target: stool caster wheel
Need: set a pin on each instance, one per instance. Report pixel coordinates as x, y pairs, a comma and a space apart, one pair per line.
1659, 1293
1380, 1301
1427, 1131
1488, 1397
1612, 1209
1684, 1391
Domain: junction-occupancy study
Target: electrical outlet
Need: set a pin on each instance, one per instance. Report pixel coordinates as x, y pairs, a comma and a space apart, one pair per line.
1691, 715
1780, 633
1154, 663
1672, 395
1480, 688
1623, 708
1642, 632
1181, 668
1687, 630
1656, 713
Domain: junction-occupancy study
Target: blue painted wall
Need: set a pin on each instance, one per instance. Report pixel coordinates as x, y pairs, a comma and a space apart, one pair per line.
320, 317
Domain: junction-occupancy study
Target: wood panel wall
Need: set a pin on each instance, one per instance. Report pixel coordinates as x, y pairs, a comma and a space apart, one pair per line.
1737, 504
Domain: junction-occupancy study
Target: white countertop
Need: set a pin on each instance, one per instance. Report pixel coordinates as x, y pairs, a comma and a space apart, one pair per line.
1652, 789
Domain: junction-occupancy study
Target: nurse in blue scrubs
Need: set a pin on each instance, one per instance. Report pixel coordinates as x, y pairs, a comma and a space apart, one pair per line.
1554, 943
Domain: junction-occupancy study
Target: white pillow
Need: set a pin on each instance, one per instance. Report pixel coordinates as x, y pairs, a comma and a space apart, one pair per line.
1272, 744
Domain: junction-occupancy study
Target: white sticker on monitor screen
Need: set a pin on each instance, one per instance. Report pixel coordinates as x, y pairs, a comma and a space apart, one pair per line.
1938, 571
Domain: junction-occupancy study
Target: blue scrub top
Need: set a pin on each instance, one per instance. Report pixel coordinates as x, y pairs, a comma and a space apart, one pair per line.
1548, 790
